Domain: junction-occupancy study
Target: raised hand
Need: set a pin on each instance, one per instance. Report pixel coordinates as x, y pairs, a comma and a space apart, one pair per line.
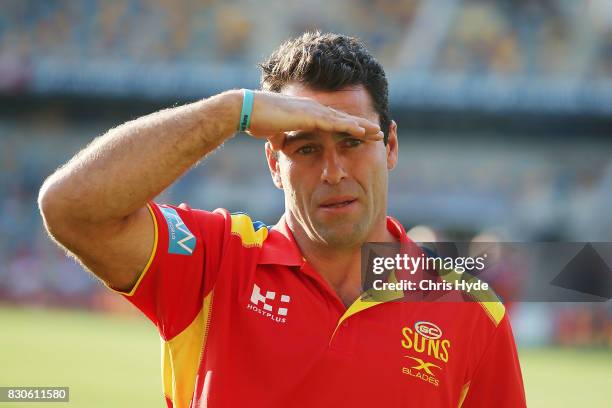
276, 114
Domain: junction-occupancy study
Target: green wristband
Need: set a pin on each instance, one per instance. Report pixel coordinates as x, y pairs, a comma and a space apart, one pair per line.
247, 110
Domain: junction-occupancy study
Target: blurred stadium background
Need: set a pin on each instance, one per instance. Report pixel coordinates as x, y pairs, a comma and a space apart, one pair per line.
505, 116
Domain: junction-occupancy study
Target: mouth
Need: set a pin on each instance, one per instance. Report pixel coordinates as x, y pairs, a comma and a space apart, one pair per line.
339, 202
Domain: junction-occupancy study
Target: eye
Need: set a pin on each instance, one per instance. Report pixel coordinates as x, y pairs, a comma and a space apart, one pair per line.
351, 142
306, 150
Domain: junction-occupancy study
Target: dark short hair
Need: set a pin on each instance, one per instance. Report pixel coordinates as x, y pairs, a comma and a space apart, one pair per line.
328, 62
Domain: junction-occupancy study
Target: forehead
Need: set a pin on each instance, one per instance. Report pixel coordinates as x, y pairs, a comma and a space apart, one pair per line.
354, 100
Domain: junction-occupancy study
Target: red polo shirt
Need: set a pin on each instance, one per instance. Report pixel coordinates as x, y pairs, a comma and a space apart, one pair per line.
246, 322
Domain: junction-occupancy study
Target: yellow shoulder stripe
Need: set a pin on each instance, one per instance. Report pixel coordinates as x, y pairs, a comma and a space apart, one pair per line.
495, 310
242, 225
488, 300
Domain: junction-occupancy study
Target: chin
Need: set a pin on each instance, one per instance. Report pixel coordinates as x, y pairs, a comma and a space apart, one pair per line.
343, 235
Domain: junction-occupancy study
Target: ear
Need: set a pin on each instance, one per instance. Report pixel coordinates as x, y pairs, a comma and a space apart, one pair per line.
272, 159
392, 146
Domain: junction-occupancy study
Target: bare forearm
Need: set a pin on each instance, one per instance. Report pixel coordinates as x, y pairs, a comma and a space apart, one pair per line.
120, 171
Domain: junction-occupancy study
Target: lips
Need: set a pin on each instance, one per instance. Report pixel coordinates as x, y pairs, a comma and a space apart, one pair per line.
338, 202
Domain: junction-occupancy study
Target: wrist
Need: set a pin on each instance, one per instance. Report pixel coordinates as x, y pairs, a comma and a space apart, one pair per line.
225, 111
247, 110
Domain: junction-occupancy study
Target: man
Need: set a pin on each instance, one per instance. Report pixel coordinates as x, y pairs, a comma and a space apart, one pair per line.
274, 317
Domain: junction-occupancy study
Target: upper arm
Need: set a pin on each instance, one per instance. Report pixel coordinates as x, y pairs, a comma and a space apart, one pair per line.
118, 252
163, 259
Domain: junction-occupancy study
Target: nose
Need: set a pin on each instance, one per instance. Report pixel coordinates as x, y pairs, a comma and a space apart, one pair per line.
333, 168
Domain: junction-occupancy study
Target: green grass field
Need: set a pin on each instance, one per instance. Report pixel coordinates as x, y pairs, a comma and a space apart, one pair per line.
110, 361
107, 361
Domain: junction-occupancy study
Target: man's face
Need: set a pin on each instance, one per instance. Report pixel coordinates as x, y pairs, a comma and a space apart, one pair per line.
335, 185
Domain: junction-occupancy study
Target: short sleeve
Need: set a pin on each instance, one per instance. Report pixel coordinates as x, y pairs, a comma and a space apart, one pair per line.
183, 266
497, 381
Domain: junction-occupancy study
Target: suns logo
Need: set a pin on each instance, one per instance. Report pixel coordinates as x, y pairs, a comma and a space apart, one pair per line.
426, 338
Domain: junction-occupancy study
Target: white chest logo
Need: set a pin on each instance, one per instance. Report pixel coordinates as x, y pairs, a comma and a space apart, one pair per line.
270, 305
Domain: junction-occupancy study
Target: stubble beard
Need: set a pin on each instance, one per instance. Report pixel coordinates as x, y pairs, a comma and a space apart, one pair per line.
342, 234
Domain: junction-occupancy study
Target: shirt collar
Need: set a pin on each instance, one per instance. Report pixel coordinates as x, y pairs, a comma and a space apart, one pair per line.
280, 247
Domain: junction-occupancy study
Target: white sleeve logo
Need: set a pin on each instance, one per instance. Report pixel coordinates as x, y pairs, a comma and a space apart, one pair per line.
180, 240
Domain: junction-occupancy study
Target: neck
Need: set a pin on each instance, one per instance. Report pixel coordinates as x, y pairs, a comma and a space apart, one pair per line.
339, 266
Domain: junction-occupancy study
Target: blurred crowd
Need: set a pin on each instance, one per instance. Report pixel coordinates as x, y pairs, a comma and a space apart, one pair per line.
583, 325
532, 37
505, 37
211, 31
33, 270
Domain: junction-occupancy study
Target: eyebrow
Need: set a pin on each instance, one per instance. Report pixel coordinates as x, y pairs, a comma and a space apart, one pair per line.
301, 136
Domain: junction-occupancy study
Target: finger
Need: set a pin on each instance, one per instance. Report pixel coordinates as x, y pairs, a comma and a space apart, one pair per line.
375, 137
341, 125
277, 141
369, 126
